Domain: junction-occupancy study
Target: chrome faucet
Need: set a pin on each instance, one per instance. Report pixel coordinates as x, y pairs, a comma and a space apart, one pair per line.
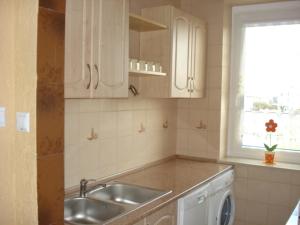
84, 189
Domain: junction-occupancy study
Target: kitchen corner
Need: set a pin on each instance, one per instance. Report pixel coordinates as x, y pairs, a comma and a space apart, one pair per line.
181, 176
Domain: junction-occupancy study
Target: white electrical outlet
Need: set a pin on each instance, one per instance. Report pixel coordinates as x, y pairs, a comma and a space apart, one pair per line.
23, 122
2, 117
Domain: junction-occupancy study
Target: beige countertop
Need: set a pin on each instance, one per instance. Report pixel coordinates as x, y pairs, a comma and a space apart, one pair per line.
179, 175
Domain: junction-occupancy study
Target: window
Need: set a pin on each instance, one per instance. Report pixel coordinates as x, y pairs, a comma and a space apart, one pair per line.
265, 79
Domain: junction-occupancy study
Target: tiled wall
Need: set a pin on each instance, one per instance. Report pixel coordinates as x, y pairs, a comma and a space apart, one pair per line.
265, 196
119, 146
191, 140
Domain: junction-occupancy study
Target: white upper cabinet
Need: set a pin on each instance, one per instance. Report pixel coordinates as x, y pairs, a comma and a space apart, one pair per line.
96, 57
181, 51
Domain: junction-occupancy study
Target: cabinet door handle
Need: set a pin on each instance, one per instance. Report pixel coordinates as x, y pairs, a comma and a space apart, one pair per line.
98, 76
192, 85
90, 76
188, 84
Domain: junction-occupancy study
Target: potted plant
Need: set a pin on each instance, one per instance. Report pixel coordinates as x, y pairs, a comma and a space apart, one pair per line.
270, 149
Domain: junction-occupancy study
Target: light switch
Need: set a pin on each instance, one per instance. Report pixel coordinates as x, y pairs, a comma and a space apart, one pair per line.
2, 117
23, 122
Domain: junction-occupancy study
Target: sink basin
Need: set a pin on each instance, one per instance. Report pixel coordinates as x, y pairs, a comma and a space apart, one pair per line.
126, 194
80, 211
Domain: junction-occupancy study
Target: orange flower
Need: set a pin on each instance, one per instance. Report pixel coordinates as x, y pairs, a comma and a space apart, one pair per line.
271, 126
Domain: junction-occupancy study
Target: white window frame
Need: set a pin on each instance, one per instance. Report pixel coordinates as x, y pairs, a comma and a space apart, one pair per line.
241, 15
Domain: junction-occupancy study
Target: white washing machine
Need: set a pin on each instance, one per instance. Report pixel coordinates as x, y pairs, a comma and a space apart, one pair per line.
222, 205
193, 208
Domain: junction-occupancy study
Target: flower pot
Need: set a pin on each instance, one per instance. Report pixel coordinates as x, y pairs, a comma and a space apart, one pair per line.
269, 157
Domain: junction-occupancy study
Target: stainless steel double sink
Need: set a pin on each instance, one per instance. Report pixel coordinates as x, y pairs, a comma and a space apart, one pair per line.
106, 203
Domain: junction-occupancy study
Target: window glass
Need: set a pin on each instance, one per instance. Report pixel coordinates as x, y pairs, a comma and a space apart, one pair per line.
271, 85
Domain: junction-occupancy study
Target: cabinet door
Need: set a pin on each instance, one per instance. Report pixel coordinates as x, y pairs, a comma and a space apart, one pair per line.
164, 216
181, 55
198, 60
77, 72
111, 48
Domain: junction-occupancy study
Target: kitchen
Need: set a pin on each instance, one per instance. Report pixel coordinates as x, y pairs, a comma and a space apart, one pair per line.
101, 137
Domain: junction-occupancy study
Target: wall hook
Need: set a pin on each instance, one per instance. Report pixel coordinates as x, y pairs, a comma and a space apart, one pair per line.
93, 136
166, 124
142, 128
201, 126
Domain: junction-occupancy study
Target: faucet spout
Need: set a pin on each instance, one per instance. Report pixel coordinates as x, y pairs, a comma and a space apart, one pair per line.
84, 189
83, 186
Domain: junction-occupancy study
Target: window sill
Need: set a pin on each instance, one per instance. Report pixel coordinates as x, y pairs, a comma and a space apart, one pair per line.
256, 162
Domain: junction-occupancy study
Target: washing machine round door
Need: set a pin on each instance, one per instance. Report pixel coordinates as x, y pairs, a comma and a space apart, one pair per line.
226, 209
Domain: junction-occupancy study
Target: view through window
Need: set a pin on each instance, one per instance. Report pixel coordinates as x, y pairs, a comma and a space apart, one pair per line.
271, 85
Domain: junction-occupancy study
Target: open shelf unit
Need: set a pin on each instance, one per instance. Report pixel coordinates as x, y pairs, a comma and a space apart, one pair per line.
141, 24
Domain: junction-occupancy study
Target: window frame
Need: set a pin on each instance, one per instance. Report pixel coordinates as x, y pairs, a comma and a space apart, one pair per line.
242, 15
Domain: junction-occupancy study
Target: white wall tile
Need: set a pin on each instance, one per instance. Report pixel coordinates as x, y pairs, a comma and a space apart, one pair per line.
183, 118
214, 77
89, 105
200, 103
87, 122
295, 177
240, 188
107, 125
125, 123
183, 103
257, 213
124, 104
240, 209
214, 99
240, 171
268, 187
196, 116
182, 141
295, 195
280, 194
125, 153
258, 190
197, 141
108, 105
73, 129
71, 106
214, 119
281, 176
119, 145
258, 173
278, 215
214, 55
